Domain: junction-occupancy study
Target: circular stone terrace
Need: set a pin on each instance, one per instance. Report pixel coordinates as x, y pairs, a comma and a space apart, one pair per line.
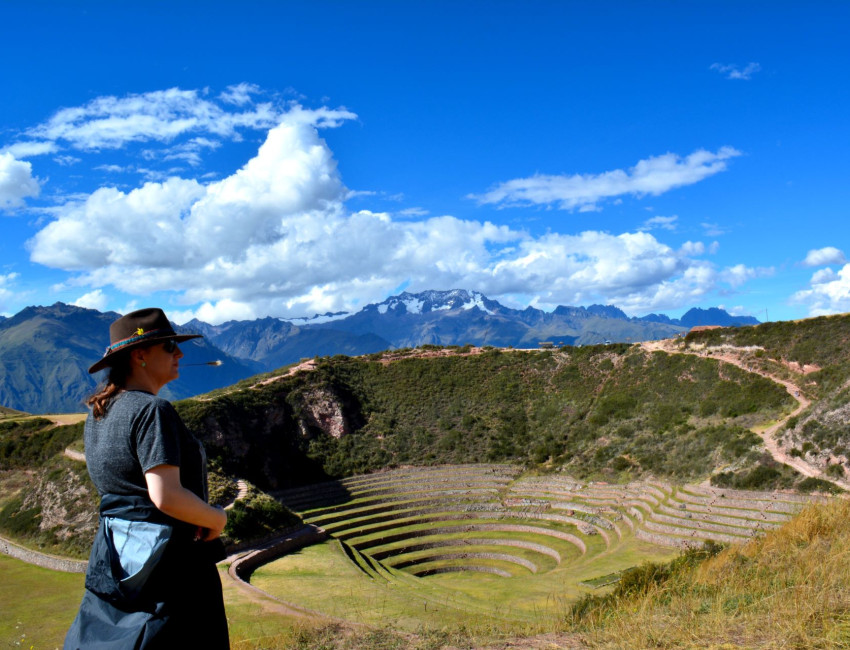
484, 541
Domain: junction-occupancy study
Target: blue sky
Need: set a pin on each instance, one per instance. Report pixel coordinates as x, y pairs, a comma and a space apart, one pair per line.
238, 160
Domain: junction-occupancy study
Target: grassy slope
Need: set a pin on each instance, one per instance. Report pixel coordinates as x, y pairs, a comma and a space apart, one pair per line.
790, 588
41, 618
821, 346
604, 411
37, 605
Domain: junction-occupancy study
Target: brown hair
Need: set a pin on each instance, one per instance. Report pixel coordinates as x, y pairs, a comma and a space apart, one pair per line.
119, 371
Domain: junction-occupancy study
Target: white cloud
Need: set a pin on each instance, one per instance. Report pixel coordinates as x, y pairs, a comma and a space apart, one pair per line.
66, 161
275, 238
829, 292
6, 293
27, 149
16, 182
665, 223
413, 212
93, 300
159, 116
737, 310
824, 276
739, 274
652, 176
712, 229
239, 94
732, 71
824, 256
692, 248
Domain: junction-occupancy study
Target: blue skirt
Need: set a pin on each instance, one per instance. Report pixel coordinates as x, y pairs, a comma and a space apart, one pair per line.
180, 603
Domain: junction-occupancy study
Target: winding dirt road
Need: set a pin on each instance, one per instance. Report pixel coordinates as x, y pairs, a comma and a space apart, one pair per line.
768, 435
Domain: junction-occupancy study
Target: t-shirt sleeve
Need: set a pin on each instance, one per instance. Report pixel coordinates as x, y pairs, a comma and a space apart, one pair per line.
157, 436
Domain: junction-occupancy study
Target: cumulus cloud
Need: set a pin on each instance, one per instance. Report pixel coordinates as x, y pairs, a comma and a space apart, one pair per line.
16, 182
96, 299
828, 293
824, 256
276, 237
692, 248
732, 71
652, 176
737, 275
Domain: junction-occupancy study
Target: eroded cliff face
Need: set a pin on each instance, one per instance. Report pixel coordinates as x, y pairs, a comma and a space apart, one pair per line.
265, 434
67, 503
322, 411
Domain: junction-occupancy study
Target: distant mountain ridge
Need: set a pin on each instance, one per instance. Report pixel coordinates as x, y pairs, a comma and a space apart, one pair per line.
45, 351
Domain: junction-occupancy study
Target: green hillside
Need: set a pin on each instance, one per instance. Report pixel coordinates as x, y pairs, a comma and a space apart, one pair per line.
614, 412
813, 354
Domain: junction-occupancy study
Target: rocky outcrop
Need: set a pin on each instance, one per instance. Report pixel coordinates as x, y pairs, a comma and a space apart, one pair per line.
67, 504
322, 410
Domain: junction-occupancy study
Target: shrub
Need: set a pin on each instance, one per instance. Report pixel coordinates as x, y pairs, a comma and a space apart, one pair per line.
836, 470
257, 516
811, 484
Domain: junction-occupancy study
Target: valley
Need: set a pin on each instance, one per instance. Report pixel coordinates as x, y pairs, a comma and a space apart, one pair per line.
504, 493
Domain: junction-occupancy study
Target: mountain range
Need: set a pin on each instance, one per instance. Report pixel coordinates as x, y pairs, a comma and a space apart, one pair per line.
45, 351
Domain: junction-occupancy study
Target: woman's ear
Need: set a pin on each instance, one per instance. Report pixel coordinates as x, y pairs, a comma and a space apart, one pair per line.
137, 358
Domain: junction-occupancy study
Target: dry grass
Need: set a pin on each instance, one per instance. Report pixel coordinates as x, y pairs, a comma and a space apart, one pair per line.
789, 589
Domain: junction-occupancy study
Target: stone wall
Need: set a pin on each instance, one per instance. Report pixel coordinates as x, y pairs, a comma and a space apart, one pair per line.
42, 559
242, 567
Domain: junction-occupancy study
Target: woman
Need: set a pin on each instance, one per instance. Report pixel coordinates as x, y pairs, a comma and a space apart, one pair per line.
151, 580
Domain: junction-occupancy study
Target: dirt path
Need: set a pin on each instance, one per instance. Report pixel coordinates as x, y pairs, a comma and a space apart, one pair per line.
768, 435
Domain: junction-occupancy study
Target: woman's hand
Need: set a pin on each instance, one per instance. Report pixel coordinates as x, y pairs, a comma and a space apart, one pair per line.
209, 534
169, 495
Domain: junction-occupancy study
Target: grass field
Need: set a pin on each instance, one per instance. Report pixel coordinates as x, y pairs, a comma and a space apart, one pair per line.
322, 578
36, 605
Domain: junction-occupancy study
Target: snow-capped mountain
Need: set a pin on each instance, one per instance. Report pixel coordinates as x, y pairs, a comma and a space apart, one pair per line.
454, 317
35, 341
429, 301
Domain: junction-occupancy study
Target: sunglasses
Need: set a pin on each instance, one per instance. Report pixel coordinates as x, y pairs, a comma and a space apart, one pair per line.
169, 346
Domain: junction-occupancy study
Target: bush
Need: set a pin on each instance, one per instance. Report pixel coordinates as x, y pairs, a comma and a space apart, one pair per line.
836, 470
16, 521
30, 443
811, 484
257, 516
767, 475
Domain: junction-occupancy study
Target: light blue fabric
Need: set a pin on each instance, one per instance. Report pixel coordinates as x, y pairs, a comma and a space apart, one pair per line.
138, 546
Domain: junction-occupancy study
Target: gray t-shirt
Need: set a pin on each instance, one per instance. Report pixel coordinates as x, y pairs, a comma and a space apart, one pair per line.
139, 432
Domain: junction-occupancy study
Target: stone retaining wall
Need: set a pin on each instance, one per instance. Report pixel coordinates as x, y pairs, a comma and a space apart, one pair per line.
483, 541
242, 567
42, 559
463, 569
467, 555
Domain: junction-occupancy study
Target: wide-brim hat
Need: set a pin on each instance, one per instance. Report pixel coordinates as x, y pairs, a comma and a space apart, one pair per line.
138, 328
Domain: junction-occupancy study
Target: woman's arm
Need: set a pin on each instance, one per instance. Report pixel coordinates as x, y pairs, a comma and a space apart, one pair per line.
169, 495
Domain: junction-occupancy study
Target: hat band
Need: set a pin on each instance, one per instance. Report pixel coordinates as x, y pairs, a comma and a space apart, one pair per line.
136, 338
